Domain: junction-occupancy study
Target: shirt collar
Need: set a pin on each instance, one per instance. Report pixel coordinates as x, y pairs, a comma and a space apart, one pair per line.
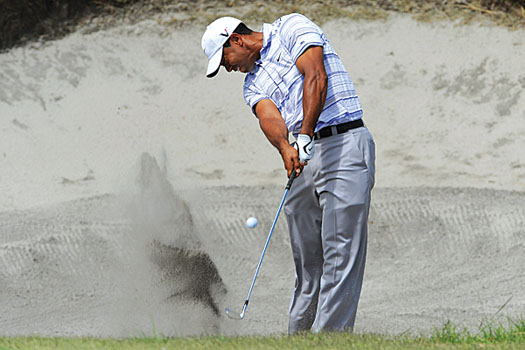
267, 30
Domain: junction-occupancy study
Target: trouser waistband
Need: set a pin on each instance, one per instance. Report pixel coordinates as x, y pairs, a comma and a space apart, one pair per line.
338, 129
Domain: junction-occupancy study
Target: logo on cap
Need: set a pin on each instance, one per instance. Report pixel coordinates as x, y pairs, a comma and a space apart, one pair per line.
226, 35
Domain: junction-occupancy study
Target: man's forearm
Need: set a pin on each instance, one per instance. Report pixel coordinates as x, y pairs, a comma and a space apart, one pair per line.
275, 131
314, 96
315, 85
272, 124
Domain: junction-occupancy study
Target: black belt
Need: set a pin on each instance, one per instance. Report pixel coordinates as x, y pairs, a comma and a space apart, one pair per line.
338, 129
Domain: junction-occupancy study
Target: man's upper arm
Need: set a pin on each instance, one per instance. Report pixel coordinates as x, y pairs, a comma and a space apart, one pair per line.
311, 61
252, 96
266, 109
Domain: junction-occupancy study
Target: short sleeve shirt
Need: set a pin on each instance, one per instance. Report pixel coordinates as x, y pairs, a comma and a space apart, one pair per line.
276, 77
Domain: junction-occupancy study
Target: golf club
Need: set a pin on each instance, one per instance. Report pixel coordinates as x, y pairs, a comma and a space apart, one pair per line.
231, 314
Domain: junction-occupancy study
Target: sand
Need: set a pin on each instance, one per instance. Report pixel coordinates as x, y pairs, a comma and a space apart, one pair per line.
127, 176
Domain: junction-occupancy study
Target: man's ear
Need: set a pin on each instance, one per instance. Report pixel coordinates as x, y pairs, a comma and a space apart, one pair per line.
237, 39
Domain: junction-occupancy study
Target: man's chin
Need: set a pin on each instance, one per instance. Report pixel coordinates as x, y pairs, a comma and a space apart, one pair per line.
247, 70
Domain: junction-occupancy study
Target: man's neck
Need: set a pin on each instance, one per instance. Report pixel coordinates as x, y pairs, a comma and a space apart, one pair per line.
255, 43
258, 38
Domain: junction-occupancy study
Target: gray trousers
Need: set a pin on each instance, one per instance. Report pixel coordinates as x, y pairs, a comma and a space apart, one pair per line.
327, 212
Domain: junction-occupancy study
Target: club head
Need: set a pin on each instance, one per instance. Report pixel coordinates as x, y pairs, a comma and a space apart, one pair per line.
234, 315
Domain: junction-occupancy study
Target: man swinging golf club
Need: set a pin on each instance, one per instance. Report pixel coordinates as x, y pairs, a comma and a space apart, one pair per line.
295, 83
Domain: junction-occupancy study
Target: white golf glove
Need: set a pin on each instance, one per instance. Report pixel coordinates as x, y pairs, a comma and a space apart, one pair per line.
305, 145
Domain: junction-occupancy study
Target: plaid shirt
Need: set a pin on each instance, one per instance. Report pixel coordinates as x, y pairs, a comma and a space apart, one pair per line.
277, 78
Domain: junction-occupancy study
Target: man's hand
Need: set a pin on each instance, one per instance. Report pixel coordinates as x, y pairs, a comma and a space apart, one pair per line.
291, 160
305, 147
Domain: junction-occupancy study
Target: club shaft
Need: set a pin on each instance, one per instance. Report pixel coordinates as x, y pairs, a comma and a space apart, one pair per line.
266, 245
289, 184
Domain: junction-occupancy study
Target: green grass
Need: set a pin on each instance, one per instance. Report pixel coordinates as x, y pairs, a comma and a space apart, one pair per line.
488, 333
489, 336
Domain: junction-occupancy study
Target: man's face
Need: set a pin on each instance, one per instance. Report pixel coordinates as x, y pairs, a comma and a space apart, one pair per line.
237, 57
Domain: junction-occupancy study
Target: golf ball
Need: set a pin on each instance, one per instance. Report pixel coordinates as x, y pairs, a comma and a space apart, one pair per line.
251, 222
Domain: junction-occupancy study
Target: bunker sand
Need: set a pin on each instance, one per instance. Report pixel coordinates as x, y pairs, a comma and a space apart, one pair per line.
86, 267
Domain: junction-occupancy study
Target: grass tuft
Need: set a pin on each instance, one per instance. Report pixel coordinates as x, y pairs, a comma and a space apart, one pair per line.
488, 333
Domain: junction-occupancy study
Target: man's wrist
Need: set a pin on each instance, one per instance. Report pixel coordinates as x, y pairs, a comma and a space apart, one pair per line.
307, 132
283, 145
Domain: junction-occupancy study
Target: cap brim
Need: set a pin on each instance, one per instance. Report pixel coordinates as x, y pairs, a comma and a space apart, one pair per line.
214, 64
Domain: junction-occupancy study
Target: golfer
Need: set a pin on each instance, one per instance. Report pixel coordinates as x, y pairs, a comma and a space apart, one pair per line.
295, 83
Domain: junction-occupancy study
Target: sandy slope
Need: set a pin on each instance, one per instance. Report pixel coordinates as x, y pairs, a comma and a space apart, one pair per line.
87, 225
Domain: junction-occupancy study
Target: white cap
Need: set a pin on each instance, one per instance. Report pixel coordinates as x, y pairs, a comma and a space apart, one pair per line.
217, 33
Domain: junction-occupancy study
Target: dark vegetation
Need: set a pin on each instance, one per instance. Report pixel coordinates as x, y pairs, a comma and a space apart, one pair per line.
23, 21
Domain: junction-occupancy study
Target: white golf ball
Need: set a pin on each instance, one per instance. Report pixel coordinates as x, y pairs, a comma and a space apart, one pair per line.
251, 222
